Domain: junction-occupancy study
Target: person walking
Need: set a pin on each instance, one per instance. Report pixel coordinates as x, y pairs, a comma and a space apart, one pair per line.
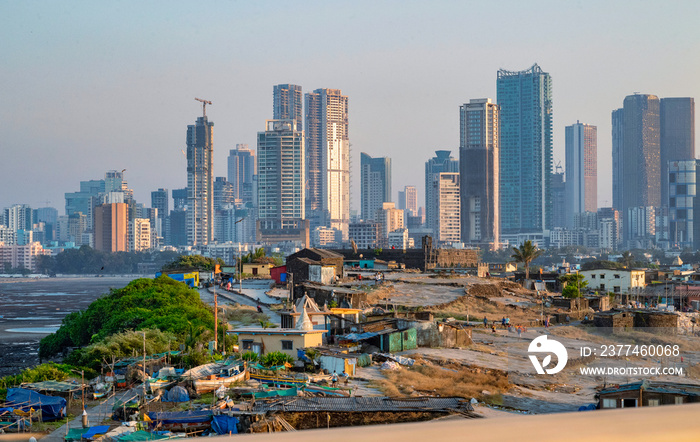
486, 322
334, 379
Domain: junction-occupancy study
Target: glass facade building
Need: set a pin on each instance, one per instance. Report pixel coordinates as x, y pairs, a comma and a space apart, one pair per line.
525, 101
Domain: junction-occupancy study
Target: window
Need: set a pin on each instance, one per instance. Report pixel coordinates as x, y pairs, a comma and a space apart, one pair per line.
616, 289
247, 344
609, 403
616, 276
286, 345
678, 400
653, 402
592, 276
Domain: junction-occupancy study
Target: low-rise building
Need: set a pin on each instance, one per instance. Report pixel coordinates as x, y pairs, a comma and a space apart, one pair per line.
647, 394
257, 269
21, 256
614, 280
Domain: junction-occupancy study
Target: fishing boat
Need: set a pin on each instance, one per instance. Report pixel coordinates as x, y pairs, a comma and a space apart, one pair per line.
327, 391
272, 376
165, 378
228, 376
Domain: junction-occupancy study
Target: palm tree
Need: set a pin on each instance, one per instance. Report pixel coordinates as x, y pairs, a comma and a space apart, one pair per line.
627, 259
526, 253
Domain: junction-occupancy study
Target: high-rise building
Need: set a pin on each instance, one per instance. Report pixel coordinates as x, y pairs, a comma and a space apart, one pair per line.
200, 182
525, 101
618, 136
241, 173
639, 169
223, 193
610, 228
327, 159
408, 200
281, 208
19, 217
390, 218
288, 103
375, 184
581, 170
682, 186
441, 162
160, 200
479, 172
111, 227
677, 138
446, 190
180, 199
140, 234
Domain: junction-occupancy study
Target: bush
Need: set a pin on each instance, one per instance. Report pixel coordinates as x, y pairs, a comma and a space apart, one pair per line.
40, 373
276, 358
144, 304
249, 356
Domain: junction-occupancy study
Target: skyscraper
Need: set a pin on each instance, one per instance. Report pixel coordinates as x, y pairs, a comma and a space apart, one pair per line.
160, 199
618, 136
525, 101
223, 193
281, 208
441, 162
677, 143
639, 169
408, 200
581, 170
375, 184
682, 185
288, 103
200, 182
327, 159
241, 172
479, 149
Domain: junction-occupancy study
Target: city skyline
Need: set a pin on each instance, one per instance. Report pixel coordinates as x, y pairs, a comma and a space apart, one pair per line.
52, 119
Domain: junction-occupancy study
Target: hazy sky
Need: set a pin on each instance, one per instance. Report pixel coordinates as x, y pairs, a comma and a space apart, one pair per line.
92, 86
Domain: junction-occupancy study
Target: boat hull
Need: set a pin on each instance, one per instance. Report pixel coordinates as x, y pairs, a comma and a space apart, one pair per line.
209, 385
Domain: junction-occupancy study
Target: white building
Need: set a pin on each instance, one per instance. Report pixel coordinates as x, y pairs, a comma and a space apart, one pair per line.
326, 237
390, 218
140, 234
614, 280
328, 159
581, 170
448, 228
399, 239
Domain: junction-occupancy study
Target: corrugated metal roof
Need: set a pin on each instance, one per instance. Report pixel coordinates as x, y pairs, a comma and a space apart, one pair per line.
364, 404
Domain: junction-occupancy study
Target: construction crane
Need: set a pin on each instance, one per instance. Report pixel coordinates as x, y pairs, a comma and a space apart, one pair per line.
204, 105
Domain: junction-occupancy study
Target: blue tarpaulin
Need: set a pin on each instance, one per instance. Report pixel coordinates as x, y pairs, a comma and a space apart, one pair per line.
223, 424
52, 407
181, 417
93, 431
176, 394
359, 336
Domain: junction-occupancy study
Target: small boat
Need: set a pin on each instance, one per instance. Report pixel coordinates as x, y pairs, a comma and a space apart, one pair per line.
327, 391
276, 379
228, 376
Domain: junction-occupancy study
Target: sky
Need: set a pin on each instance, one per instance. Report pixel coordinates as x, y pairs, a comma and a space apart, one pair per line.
89, 86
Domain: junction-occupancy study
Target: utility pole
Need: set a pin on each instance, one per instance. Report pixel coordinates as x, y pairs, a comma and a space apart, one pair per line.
216, 321
144, 367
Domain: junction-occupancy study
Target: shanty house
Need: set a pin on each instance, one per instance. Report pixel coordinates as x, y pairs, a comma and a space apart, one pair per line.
298, 264
286, 340
647, 394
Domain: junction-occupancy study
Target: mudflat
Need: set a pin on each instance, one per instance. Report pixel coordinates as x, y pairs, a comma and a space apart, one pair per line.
33, 308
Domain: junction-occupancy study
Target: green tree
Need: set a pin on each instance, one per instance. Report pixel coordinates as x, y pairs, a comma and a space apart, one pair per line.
526, 253
574, 283
276, 358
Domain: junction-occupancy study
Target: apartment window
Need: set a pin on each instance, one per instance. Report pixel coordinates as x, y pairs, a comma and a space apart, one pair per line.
609, 403
286, 345
592, 276
602, 276
616, 289
616, 276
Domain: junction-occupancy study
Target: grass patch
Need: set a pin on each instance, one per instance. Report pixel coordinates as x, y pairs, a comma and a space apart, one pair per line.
425, 378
